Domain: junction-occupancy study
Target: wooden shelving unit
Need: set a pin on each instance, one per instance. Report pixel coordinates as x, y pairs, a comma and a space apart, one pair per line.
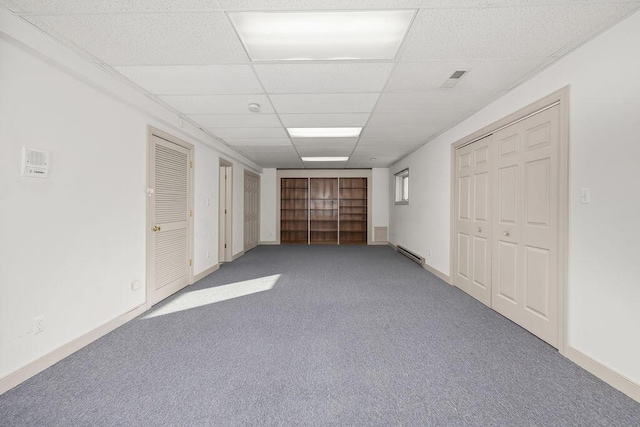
353, 211
294, 210
323, 211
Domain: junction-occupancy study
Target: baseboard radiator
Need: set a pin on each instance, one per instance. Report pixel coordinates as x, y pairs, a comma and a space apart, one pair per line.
412, 256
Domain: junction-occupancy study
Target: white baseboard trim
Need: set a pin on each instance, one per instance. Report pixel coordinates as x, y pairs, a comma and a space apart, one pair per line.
439, 274
265, 243
205, 273
394, 247
608, 375
39, 365
378, 243
238, 255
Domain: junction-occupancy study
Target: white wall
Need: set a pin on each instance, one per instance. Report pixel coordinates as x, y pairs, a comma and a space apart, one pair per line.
268, 198
604, 272
205, 227
72, 244
380, 198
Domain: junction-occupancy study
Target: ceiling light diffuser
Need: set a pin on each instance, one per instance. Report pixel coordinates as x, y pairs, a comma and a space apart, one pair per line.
343, 35
324, 132
325, 159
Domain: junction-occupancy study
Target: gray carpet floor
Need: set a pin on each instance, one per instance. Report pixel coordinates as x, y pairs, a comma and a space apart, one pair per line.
346, 336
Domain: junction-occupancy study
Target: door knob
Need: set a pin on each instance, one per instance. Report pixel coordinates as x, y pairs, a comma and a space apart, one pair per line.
506, 233
156, 228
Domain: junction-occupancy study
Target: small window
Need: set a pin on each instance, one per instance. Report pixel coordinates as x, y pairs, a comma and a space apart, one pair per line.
402, 187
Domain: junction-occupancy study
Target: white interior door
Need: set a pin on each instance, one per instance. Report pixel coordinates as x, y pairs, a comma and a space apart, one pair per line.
251, 210
225, 203
472, 263
525, 224
170, 180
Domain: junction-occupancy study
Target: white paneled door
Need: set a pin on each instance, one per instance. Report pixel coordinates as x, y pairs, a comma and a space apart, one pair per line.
525, 224
506, 221
169, 242
251, 210
473, 228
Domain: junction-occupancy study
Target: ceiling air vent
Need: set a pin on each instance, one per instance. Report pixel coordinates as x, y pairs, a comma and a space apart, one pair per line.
453, 80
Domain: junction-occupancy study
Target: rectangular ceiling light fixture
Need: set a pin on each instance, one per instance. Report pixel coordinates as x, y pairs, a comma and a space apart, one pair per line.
315, 36
324, 132
325, 159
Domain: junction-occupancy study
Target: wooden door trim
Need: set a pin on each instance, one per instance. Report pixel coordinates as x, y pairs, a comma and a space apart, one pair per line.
560, 97
151, 132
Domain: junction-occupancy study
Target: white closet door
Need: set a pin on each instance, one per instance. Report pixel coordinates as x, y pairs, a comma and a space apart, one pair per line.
525, 225
473, 249
251, 211
169, 242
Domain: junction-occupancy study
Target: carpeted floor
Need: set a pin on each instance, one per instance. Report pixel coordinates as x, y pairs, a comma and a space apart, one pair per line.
318, 336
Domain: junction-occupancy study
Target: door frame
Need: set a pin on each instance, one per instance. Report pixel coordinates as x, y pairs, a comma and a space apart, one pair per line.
560, 98
244, 210
151, 132
226, 254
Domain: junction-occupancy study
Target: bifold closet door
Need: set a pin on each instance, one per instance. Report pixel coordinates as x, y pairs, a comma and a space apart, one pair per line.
472, 265
525, 224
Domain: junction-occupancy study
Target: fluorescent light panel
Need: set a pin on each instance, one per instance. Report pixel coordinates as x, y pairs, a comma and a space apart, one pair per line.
343, 35
324, 132
324, 159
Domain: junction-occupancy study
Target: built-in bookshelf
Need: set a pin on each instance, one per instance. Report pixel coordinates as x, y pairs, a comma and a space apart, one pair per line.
294, 210
353, 211
323, 211
327, 211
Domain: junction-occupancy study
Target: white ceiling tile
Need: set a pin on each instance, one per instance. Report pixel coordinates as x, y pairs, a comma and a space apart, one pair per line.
324, 120
374, 151
255, 149
506, 32
281, 164
249, 133
443, 100
193, 79
216, 104
237, 120
438, 119
325, 103
382, 162
112, 6
483, 76
323, 78
401, 142
257, 142
324, 141
399, 132
149, 39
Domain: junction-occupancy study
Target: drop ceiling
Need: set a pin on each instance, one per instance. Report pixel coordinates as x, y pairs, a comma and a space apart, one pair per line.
188, 55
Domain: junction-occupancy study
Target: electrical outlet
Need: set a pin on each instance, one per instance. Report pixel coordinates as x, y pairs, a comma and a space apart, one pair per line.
38, 324
429, 253
208, 254
135, 285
